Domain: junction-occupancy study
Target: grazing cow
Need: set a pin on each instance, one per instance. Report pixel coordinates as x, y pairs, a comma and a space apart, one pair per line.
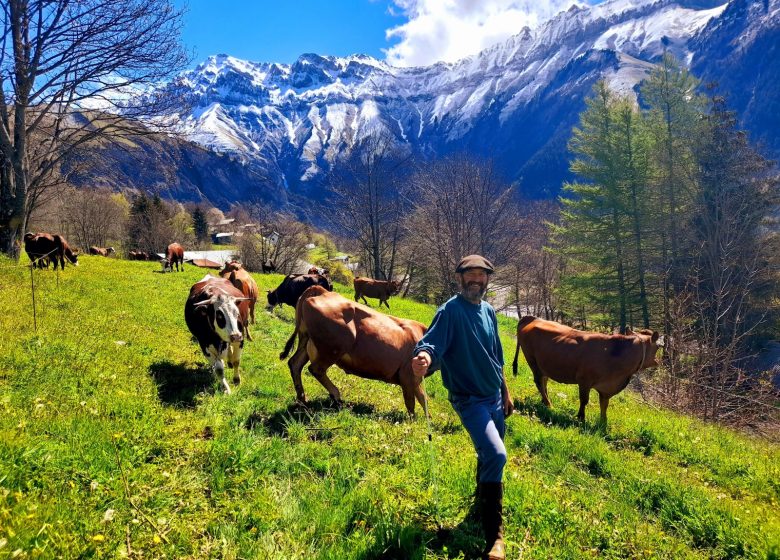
102, 251
293, 286
42, 247
138, 256
174, 254
380, 289
604, 362
313, 270
334, 330
216, 312
241, 279
270, 267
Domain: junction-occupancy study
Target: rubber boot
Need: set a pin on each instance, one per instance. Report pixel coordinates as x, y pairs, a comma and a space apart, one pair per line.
492, 498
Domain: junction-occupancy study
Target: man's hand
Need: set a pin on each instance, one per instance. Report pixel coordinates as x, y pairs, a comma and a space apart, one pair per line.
420, 363
509, 406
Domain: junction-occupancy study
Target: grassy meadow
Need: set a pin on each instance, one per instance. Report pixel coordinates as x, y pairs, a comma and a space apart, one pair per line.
117, 442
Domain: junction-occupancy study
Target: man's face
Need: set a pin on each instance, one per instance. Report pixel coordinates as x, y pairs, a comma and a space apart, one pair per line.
473, 283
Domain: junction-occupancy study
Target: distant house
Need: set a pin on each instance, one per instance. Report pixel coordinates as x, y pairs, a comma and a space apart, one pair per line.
344, 259
310, 246
225, 238
223, 226
273, 237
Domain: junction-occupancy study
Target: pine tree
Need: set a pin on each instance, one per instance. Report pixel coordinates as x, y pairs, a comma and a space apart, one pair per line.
200, 225
674, 114
594, 221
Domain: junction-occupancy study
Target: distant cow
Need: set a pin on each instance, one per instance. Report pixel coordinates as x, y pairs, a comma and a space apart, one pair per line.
380, 289
216, 312
102, 251
334, 330
293, 286
270, 267
174, 254
42, 247
597, 361
241, 279
139, 256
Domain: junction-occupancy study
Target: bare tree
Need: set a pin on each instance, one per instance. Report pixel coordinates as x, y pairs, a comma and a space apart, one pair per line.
92, 217
532, 271
368, 200
70, 73
461, 207
282, 241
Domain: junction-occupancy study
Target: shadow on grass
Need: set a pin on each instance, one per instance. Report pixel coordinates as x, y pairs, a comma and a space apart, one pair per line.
533, 406
179, 384
465, 540
278, 422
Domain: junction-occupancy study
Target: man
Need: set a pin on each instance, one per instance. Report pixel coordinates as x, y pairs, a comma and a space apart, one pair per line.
463, 340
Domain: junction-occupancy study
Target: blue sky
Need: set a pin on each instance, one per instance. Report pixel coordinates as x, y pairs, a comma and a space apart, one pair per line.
281, 30
402, 32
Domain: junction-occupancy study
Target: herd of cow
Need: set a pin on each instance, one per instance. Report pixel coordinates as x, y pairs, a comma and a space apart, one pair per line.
333, 330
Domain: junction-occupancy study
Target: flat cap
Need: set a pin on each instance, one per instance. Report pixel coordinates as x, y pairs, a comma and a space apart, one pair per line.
474, 261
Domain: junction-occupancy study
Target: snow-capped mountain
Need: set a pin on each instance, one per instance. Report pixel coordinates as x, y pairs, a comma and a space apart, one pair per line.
515, 102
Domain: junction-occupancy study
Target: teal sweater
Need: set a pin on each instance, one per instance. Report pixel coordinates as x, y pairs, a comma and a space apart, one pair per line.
463, 341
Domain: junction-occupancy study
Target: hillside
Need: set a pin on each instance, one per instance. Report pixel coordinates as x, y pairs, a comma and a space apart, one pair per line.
115, 441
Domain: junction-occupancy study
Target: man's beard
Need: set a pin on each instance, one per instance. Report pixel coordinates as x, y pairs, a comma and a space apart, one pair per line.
473, 290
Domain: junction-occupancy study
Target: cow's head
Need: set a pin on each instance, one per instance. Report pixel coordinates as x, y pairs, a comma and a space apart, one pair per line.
272, 298
111, 250
72, 255
166, 264
224, 316
231, 266
395, 286
651, 340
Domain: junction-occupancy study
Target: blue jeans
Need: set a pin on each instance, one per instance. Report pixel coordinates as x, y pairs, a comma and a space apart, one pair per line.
483, 418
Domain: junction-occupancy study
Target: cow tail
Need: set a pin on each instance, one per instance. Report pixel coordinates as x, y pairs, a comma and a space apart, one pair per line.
517, 353
291, 340
290, 343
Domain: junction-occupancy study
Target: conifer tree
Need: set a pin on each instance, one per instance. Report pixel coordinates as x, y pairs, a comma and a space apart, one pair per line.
674, 113
200, 225
594, 225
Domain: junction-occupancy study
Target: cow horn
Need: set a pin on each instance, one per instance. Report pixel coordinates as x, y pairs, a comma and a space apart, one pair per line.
204, 302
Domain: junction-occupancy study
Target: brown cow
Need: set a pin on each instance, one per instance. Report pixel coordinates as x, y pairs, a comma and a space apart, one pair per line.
174, 254
333, 330
42, 247
102, 251
241, 279
604, 362
380, 289
215, 313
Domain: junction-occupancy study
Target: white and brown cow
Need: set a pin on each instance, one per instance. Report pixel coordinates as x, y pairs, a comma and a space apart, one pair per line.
216, 313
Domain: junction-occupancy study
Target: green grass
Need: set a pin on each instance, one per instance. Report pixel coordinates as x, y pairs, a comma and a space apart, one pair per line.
113, 434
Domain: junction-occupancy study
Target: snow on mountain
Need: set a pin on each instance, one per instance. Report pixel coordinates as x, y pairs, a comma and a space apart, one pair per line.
299, 119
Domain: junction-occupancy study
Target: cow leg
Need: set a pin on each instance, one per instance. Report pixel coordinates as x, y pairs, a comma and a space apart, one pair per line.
603, 403
252, 311
409, 395
320, 373
234, 360
217, 365
296, 363
422, 398
541, 382
584, 397
385, 302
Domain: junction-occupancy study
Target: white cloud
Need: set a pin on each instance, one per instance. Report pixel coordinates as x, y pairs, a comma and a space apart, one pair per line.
448, 30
